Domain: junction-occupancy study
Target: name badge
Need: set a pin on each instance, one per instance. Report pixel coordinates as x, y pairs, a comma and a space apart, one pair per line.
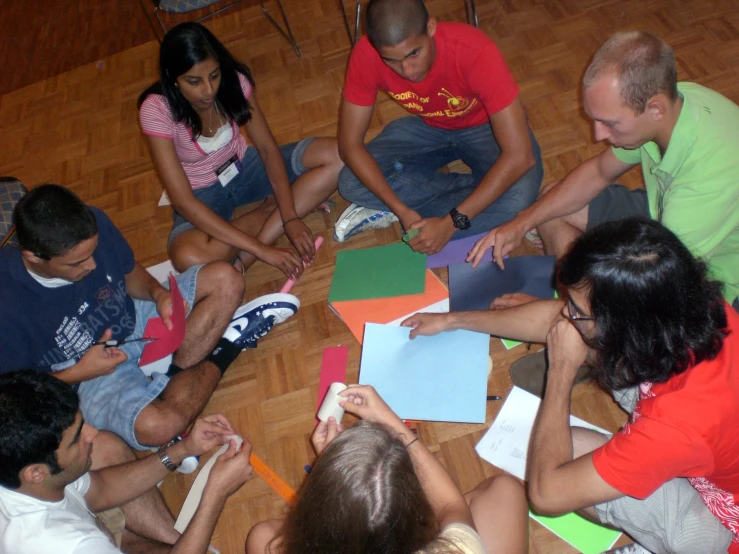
228, 170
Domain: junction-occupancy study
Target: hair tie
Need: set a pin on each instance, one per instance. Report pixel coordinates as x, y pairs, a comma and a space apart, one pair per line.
410, 443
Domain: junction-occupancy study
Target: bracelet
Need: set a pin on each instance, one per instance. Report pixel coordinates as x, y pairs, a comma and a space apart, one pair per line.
289, 220
410, 443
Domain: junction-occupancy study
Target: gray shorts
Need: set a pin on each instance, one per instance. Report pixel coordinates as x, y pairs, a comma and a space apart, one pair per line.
672, 519
113, 402
617, 202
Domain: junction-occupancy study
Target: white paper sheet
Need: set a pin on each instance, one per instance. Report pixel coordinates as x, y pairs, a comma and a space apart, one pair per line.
506, 443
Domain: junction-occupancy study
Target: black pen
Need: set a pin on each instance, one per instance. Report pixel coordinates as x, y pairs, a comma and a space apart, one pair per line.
495, 398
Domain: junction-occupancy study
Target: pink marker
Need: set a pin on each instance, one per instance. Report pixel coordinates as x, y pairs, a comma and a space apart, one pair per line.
287, 287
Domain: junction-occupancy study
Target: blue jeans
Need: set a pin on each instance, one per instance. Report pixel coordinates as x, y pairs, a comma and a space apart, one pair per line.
409, 153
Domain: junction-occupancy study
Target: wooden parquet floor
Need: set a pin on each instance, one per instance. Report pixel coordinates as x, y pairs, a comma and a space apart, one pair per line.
80, 129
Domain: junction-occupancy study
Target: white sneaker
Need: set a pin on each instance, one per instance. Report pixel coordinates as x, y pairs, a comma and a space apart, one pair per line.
356, 219
254, 320
635, 548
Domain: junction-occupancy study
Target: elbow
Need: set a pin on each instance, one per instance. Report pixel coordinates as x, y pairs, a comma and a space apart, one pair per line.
541, 501
525, 161
344, 151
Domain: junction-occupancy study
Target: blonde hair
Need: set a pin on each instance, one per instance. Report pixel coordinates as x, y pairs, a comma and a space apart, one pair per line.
643, 63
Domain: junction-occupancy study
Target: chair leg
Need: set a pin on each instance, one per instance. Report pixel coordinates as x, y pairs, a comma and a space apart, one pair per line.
352, 38
356, 22
287, 32
471, 12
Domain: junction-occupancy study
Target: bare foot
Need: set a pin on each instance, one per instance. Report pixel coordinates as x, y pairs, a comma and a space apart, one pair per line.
511, 300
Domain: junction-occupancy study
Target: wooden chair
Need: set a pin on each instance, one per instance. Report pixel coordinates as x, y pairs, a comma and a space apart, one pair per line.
187, 6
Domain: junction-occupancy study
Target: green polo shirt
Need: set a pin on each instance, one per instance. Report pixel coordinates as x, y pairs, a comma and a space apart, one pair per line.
694, 189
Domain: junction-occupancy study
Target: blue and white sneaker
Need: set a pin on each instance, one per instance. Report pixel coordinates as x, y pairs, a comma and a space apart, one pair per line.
356, 219
254, 320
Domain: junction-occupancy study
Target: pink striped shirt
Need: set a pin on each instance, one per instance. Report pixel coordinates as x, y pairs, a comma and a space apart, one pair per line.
156, 120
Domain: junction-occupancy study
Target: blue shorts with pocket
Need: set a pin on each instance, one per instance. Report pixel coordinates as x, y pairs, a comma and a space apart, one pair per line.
113, 402
251, 184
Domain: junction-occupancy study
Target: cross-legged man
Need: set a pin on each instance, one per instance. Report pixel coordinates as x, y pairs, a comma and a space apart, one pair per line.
74, 282
464, 105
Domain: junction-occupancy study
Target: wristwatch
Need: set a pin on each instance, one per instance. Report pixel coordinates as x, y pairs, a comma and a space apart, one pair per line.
461, 221
166, 460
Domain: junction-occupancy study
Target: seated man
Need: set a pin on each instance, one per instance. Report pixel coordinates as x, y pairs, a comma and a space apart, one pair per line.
640, 309
465, 106
74, 281
48, 495
683, 135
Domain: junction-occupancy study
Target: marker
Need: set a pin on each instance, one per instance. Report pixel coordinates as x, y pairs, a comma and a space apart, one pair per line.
495, 398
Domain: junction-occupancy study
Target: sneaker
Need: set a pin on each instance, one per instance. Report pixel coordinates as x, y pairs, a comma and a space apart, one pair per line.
254, 320
529, 373
635, 548
356, 219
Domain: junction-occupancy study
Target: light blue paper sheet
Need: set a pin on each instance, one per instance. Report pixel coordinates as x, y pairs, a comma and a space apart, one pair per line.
439, 378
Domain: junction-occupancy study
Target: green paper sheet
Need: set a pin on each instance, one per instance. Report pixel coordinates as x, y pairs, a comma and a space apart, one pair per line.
380, 272
584, 535
510, 343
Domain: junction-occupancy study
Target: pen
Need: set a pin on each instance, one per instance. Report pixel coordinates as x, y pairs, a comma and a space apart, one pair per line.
495, 398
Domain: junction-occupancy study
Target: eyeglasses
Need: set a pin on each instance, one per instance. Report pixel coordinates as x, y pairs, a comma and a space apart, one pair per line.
574, 313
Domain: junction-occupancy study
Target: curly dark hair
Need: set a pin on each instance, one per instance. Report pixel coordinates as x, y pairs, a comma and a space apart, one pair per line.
656, 311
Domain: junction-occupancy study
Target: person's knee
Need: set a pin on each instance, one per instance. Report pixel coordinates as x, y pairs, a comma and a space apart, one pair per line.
108, 449
158, 424
698, 531
222, 281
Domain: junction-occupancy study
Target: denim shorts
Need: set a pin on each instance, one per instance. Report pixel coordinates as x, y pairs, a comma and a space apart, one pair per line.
113, 402
251, 184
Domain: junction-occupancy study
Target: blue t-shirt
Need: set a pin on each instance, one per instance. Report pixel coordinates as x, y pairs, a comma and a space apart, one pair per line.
49, 329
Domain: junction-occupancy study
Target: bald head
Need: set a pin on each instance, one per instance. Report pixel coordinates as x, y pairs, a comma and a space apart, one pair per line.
390, 22
643, 64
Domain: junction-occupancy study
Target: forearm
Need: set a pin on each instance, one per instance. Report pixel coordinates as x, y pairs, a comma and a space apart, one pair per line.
117, 485
196, 538
528, 322
500, 177
570, 195
275, 167
551, 439
213, 225
368, 172
77, 373
442, 492
141, 285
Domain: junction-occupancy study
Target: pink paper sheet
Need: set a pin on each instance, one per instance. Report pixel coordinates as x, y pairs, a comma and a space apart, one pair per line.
333, 369
168, 340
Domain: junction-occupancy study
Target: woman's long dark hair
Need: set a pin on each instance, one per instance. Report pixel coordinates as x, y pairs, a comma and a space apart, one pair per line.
184, 46
656, 312
362, 497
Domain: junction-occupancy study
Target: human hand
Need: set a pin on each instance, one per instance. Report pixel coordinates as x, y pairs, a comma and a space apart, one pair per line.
511, 300
426, 324
207, 433
163, 300
502, 239
566, 351
283, 259
324, 433
364, 402
301, 238
99, 360
231, 470
408, 218
435, 233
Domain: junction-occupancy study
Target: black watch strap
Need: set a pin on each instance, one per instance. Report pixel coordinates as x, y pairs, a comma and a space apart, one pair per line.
461, 221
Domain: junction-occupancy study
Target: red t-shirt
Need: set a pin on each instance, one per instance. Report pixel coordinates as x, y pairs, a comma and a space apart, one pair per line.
686, 427
468, 81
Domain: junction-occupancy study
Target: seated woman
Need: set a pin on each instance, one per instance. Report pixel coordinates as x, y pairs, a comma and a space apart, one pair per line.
376, 489
191, 119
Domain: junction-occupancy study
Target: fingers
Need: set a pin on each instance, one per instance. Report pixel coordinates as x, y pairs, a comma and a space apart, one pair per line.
230, 452
481, 246
413, 321
333, 429
106, 335
498, 254
221, 420
213, 429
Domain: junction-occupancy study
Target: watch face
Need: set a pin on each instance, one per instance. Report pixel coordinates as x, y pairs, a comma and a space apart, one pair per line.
461, 221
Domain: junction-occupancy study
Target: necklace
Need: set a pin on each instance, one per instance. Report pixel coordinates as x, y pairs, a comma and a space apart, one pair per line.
210, 117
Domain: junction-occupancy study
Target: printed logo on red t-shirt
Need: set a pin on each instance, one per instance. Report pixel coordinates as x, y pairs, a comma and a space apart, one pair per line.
448, 105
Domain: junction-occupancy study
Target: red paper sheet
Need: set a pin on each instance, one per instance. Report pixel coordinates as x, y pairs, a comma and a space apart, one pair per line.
333, 369
168, 340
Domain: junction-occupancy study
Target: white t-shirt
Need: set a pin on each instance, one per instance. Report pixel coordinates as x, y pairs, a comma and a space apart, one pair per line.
32, 526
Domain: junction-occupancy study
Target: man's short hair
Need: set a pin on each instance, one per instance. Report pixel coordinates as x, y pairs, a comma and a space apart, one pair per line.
51, 219
35, 410
390, 22
656, 311
643, 63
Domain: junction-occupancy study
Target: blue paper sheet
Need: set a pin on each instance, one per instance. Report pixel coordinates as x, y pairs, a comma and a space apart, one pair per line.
474, 289
439, 378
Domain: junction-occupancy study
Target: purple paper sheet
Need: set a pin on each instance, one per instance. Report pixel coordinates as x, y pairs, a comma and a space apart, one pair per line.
456, 252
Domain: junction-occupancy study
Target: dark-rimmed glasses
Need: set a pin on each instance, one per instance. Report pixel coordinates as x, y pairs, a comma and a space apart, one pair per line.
575, 314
